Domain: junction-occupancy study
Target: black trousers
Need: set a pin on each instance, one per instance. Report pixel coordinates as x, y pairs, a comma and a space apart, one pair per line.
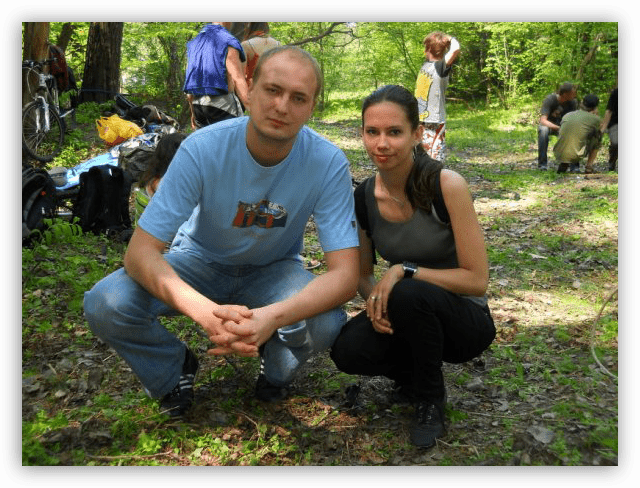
206, 115
430, 324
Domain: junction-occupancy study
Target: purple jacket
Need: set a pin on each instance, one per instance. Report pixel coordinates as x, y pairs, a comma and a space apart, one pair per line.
206, 61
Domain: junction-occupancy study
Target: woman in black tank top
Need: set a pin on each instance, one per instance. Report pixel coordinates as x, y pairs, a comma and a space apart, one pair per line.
430, 305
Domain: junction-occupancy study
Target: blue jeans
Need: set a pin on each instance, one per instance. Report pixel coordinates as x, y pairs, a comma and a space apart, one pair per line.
124, 315
543, 143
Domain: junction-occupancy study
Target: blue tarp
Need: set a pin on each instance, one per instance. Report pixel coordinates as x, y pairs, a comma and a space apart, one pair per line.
111, 157
73, 174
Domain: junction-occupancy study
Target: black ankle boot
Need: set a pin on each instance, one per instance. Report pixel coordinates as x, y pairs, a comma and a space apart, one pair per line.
428, 423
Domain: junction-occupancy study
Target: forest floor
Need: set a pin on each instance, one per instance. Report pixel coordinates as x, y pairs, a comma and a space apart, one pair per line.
537, 396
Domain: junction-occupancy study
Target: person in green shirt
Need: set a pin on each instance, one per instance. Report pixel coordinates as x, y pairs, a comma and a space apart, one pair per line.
579, 136
554, 107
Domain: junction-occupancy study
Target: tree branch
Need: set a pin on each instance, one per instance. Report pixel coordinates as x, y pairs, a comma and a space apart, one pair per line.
330, 30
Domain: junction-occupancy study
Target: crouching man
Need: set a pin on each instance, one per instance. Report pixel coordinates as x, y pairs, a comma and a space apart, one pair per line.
579, 136
238, 194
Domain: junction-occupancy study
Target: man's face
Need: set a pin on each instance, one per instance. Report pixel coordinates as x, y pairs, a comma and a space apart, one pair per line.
282, 99
568, 96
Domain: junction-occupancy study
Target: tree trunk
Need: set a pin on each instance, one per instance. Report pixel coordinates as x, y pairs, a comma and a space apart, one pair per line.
65, 36
35, 45
589, 56
101, 78
175, 72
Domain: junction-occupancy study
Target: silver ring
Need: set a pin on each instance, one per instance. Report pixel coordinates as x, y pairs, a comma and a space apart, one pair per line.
374, 298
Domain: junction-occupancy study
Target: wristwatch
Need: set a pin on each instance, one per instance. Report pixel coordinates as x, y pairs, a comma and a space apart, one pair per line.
409, 269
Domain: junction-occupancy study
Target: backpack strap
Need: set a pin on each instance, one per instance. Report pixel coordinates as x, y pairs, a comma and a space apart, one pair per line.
438, 203
362, 215
361, 208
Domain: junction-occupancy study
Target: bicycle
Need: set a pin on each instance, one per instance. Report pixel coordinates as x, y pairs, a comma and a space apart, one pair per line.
43, 125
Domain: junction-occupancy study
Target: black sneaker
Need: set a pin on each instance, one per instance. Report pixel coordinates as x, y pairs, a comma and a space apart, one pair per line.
266, 391
179, 400
428, 424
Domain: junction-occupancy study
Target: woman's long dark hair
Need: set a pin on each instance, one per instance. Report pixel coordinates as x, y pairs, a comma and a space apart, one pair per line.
421, 182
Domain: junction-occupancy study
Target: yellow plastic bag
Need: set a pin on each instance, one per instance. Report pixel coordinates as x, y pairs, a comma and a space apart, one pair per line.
114, 130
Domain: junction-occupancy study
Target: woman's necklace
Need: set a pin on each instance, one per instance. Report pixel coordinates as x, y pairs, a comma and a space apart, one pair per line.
400, 202
397, 200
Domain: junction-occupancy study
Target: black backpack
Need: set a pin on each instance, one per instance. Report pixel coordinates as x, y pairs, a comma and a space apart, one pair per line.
102, 205
38, 200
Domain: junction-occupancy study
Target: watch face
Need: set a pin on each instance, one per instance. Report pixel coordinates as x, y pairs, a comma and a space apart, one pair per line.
409, 269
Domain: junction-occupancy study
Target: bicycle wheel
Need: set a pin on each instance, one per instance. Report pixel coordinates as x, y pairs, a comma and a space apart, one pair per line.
41, 144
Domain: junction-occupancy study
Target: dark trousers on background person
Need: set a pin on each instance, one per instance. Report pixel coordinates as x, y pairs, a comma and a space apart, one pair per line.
430, 325
613, 146
206, 115
544, 133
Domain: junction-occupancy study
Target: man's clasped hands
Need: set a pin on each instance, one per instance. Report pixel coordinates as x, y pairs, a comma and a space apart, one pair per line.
236, 329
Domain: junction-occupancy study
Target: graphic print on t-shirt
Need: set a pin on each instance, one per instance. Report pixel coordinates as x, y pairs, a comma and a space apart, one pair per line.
423, 85
264, 214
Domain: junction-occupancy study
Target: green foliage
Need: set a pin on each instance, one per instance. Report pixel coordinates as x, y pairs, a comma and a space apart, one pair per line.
56, 272
76, 48
500, 62
515, 59
33, 453
154, 58
59, 231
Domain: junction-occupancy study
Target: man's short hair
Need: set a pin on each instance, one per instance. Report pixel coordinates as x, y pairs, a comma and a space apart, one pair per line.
296, 51
590, 101
566, 87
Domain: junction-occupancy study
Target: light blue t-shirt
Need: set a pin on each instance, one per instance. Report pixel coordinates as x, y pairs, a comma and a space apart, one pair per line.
231, 210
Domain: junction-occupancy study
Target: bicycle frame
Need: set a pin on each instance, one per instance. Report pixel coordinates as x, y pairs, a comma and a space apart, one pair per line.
47, 89
42, 124
45, 108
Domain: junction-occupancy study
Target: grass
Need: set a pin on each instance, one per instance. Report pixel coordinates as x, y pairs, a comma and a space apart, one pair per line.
552, 246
